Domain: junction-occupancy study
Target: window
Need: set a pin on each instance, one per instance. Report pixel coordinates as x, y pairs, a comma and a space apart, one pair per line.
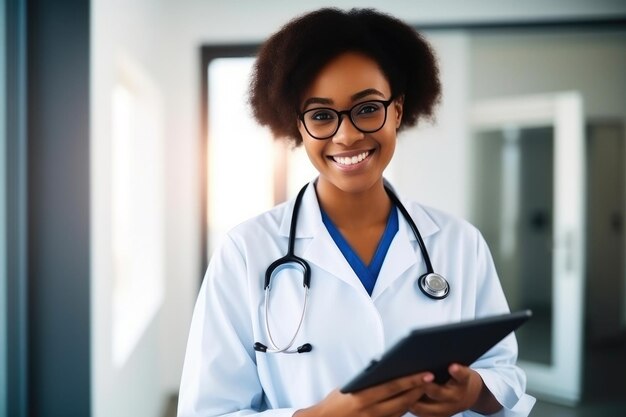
137, 208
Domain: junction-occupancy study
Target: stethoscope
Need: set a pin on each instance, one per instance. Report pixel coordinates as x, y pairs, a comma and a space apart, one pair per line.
431, 284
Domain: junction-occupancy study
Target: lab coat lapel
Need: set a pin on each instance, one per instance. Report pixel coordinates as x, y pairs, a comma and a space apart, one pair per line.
323, 252
314, 243
404, 250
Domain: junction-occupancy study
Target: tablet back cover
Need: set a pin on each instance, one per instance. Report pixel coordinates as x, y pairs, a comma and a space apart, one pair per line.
435, 348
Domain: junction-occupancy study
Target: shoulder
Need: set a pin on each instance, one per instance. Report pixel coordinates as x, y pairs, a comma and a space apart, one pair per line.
249, 244
275, 223
442, 221
261, 228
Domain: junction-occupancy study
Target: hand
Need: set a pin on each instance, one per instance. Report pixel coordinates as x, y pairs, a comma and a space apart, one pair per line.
391, 399
464, 390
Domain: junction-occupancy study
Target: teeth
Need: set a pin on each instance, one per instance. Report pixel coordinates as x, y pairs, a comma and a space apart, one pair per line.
351, 160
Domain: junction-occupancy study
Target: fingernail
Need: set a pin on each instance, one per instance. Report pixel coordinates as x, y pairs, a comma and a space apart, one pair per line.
429, 378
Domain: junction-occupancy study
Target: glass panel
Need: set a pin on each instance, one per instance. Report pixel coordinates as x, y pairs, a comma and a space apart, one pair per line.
239, 153
243, 159
513, 208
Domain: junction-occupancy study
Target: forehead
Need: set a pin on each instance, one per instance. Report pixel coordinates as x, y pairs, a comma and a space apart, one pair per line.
346, 75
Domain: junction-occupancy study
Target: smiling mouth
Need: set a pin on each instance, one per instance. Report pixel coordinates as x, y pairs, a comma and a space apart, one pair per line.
351, 160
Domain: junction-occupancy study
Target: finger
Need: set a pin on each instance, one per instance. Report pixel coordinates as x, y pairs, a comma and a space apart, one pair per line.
393, 397
431, 408
438, 400
437, 392
398, 405
460, 377
397, 386
459, 373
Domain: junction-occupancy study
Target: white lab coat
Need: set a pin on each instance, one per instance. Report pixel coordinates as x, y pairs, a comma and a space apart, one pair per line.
224, 375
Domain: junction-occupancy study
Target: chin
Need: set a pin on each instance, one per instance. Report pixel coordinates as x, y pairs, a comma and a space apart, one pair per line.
355, 185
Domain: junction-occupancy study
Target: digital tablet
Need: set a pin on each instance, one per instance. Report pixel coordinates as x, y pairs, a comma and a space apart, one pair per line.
433, 349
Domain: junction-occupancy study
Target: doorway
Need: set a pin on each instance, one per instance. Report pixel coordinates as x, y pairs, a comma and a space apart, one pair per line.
528, 176
516, 206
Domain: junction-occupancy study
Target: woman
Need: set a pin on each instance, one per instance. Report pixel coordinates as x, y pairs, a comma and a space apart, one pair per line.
343, 84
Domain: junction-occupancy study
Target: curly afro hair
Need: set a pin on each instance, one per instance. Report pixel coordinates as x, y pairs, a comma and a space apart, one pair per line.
290, 59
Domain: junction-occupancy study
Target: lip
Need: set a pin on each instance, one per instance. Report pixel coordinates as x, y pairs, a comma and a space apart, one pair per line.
366, 154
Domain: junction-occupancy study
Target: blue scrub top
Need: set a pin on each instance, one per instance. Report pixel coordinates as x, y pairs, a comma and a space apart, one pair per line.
367, 274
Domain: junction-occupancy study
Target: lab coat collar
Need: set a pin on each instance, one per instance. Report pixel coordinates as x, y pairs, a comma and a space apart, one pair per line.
323, 251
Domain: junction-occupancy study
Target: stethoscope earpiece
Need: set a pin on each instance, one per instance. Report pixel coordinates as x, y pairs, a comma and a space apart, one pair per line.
260, 347
434, 286
307, 347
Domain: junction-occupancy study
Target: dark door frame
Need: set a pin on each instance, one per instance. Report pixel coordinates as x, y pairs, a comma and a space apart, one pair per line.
47, 208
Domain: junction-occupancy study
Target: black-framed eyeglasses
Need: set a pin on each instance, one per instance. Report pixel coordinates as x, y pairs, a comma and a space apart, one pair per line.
367, 116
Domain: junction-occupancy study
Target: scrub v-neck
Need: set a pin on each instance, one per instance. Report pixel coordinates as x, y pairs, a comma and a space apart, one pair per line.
368, 274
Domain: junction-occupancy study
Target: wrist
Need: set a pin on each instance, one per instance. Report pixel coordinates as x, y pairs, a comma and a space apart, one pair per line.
485, 403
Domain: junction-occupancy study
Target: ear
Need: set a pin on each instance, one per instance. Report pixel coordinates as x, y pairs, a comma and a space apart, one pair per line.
398, 104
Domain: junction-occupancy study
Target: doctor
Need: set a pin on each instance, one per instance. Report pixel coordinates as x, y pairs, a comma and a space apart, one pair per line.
343, 84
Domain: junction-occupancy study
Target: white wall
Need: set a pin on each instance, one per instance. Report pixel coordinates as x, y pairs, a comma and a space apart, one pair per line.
164, 37
431, 164
121, 32
534, 61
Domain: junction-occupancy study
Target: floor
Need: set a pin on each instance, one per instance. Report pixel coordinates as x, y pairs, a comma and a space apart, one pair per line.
604, 384
170, 410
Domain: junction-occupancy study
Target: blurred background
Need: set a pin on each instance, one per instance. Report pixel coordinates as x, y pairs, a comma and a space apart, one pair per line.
128, 151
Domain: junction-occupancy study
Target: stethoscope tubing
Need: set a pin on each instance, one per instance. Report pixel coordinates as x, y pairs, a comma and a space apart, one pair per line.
291, 258
396, 201
285, 349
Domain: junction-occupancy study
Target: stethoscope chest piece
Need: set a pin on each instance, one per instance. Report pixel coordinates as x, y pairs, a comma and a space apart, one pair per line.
434, 286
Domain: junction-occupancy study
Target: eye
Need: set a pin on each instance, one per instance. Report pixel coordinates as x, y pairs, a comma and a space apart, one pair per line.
367, 108
320, 115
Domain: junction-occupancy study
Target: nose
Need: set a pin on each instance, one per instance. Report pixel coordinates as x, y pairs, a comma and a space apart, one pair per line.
347, 134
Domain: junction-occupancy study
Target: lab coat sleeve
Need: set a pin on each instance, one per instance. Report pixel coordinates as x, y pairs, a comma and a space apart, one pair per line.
498, 369
219, 373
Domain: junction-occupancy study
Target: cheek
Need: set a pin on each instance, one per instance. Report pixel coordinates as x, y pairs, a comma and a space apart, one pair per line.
391, 134
301, 128
312, 149
307, 140
389, 140
392, 147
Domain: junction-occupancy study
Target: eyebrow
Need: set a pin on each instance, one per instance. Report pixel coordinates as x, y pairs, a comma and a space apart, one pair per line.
365, 93
354, 97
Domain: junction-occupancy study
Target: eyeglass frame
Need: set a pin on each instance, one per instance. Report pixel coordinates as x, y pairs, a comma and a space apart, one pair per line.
348, 112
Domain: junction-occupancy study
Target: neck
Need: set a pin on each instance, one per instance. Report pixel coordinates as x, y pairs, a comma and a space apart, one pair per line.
352, 210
